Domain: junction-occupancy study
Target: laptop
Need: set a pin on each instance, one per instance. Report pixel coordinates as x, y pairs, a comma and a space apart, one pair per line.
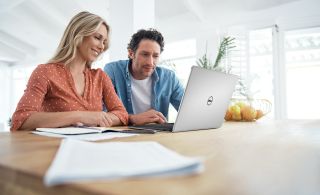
204, 103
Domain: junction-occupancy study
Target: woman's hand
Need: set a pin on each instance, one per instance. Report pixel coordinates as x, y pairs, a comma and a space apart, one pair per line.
100, 119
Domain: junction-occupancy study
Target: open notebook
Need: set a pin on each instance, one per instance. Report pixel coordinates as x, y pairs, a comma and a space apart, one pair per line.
89, 130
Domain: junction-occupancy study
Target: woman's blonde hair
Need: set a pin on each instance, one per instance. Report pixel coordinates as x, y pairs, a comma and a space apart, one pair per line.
81, 25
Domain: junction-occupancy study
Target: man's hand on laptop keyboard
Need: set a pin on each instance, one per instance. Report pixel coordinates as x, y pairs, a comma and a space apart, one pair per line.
150, 116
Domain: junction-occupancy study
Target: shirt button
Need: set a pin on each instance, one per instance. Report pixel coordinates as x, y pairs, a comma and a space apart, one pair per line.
128, 100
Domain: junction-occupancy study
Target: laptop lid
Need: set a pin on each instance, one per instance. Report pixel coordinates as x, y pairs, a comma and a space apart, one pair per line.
205, 100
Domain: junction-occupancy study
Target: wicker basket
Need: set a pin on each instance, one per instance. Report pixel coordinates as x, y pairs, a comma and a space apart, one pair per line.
247, 109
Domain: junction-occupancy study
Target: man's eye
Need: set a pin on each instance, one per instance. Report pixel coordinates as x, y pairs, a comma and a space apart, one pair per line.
98, 38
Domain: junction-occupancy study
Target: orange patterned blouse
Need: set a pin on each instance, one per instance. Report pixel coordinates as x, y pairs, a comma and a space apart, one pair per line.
51, 89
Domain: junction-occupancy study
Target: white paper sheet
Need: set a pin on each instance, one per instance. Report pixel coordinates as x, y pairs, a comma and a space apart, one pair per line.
87, 137
79, 161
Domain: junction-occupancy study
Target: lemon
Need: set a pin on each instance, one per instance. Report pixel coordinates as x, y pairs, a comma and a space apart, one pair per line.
236, 112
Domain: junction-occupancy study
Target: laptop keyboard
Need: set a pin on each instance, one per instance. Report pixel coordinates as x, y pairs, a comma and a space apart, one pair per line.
155, 126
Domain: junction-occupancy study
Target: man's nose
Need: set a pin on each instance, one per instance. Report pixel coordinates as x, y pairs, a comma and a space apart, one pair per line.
150, 60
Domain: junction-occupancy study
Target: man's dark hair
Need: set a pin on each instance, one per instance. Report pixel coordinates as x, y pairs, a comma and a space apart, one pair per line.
150, 34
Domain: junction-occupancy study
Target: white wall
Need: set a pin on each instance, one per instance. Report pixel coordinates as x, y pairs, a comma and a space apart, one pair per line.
126, 17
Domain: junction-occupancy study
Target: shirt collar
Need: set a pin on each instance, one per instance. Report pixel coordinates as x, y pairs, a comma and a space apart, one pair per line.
155, 75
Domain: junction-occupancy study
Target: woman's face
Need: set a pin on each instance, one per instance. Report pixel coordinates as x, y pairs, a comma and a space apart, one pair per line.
93, 45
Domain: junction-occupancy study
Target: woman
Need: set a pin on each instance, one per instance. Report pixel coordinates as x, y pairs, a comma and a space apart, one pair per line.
66, 91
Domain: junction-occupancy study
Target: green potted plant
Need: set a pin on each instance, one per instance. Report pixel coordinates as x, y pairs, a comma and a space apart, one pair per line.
226, 44
225, 47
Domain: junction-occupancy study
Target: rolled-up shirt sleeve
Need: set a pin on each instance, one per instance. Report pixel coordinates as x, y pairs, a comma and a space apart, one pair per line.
112, 101
32, 99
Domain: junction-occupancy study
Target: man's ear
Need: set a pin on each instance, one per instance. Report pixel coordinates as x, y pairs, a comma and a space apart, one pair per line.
130, 54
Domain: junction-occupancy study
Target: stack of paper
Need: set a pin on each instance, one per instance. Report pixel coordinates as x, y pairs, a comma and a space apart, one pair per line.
79, 161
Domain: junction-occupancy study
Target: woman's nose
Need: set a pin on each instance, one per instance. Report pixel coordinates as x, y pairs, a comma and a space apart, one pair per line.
101, 46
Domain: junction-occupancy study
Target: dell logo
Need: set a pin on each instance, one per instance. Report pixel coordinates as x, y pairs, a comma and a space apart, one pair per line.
210, 100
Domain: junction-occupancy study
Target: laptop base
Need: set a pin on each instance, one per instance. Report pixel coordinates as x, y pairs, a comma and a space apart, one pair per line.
155, 126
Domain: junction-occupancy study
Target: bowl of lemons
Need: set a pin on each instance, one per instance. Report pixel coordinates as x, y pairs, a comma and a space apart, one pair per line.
247, 109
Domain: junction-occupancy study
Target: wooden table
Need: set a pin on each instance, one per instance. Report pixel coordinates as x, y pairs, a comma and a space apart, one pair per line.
263, 157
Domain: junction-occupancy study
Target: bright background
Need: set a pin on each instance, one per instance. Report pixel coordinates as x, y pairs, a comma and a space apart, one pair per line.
277, 53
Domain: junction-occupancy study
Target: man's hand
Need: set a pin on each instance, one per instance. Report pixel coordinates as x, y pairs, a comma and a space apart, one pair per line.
150, 116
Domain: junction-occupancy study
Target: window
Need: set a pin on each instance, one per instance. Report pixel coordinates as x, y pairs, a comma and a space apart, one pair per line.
281, 66
260, 70
20, 77
5, 98
302, 68
179, 56
252, 60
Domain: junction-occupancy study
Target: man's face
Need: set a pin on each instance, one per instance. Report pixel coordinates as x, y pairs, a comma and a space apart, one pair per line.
145, 59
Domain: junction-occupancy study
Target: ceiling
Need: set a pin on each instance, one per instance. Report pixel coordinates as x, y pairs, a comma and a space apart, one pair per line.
203, 9
31, 29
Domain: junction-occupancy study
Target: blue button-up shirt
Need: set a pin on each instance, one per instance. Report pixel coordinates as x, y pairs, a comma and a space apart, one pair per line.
166, 87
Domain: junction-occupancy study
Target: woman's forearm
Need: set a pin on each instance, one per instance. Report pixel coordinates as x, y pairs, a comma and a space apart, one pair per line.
61, 119
51, 119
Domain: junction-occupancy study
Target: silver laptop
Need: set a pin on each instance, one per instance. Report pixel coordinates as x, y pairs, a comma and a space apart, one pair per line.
204, 102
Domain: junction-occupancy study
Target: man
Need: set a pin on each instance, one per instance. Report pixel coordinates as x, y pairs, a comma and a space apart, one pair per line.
145, 89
